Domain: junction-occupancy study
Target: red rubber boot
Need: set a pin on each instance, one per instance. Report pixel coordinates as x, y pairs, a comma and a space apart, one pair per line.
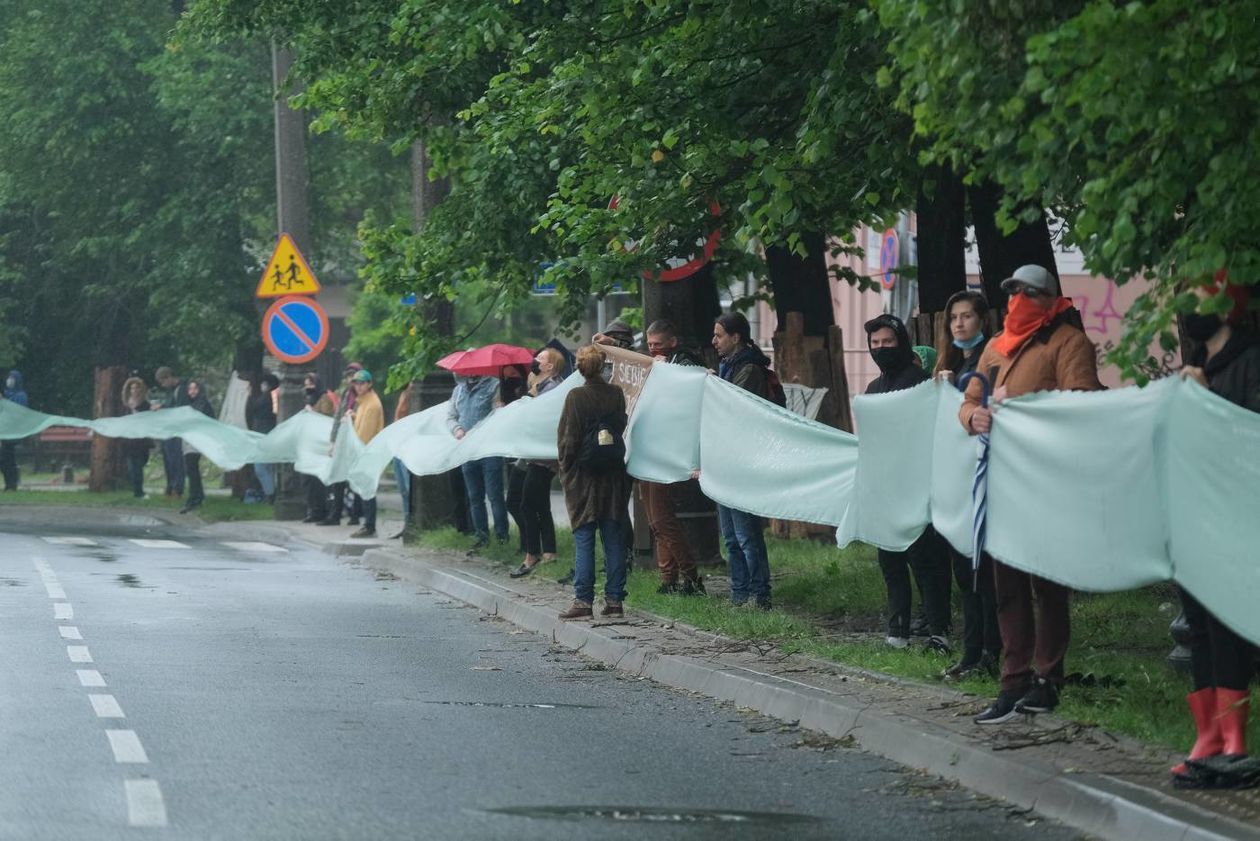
1203, 710
1232, 707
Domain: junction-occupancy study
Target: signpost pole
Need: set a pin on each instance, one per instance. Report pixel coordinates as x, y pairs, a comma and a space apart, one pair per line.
293, 217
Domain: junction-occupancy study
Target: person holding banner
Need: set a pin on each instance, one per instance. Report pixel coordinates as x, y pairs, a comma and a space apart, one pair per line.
596, 484
1042, 347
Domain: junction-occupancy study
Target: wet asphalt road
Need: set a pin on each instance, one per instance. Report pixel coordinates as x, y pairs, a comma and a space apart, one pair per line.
199, 690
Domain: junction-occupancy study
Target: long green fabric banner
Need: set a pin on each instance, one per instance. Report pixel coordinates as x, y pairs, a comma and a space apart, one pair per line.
1100, 491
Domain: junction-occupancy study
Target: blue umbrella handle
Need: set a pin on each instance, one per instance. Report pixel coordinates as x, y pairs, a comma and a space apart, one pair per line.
986, 388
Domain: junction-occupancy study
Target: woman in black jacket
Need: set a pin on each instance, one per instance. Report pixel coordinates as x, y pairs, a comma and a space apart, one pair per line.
135, 397
1227, 361
192, 459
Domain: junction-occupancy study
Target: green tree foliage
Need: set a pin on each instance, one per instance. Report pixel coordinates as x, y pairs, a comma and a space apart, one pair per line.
1136, 122
763, 111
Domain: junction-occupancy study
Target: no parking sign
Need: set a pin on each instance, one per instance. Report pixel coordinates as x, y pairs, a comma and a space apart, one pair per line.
295, 329
888, 257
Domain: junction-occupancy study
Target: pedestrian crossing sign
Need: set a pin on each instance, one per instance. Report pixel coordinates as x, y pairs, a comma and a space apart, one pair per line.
287, 273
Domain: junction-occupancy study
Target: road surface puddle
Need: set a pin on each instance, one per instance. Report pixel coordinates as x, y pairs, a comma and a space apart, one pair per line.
507, 705
12, 582
133, 581
635, 814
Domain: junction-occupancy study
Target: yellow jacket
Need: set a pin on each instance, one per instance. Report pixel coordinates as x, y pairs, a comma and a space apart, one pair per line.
369, 416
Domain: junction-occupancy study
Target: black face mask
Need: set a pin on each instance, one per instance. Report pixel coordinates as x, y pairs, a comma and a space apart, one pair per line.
1202, 327
310, 389
534, 369
888, 358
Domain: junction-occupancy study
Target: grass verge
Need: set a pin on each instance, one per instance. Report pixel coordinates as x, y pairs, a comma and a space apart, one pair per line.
829, 603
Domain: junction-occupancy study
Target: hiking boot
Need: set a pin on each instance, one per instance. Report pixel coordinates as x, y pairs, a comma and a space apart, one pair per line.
1041, 698
578, 610
897, 642
1000, 711
364, 532
693, 587
612, 609
937, 644
667, 588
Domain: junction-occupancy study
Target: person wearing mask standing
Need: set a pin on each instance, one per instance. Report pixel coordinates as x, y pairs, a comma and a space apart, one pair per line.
15, 392
966, 313
1222, 664
743, 365
337, 499
538, 529
260, 417
368, 417
889, 346
198, 400
471, 402
174, 395
1042, 347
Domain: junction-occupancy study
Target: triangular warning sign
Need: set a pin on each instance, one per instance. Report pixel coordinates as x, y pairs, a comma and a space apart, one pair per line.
287, 273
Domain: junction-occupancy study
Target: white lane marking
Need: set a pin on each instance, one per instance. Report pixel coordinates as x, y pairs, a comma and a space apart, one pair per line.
126, 746
69, 632
89, 677
159, 544
145, 806
106, 706
78, 654
63, 610
54, 590
253, 546
70, 541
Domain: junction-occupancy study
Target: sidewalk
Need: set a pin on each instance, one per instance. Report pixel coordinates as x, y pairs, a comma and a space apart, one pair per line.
1106, 786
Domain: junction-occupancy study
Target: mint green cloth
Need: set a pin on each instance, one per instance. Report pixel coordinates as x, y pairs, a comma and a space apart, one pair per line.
1100, 491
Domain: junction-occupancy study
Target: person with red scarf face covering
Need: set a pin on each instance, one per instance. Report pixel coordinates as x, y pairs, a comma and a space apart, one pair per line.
1042, 347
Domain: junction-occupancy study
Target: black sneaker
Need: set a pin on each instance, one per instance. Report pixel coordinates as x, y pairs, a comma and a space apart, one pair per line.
693, 587
1000, 711
937, 644
763, 603
1042, 698
667, 588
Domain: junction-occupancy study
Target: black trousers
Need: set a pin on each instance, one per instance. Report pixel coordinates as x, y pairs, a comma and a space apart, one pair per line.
539, 534
924, 558
316, 498
135, 472
515, 492
192, 468
8, 464
980, 634
1218, 657
459, 501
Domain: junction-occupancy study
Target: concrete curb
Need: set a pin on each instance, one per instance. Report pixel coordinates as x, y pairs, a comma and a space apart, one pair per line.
1100, 805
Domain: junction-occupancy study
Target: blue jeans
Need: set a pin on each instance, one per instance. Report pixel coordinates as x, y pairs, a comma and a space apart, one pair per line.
746, 546
482, 478
403, 475
173, 461
266, 474
613, 538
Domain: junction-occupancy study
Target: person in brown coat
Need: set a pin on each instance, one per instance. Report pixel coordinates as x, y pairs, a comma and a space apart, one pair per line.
596, 495
1042, 347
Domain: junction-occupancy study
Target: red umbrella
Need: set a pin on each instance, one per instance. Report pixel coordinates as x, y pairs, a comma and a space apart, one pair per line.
490, 359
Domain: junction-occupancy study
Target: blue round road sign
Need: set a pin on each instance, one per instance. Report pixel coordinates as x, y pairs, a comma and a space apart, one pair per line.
295, 329
888, 255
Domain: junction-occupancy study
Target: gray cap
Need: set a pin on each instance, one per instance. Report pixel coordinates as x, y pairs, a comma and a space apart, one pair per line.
1034, 276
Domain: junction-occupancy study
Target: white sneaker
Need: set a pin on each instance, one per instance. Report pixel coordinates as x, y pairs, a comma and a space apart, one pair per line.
898, 642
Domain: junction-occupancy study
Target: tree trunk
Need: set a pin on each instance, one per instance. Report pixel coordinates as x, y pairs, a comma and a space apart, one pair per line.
1001, 254
691, 304
293, 217
432, 498
942, 233
107, 457
802, 284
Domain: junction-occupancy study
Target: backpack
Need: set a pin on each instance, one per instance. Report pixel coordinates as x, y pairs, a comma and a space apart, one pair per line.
603, 448
775, 392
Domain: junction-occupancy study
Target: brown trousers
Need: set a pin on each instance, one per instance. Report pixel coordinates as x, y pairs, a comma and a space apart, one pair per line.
673, 554
1034, 639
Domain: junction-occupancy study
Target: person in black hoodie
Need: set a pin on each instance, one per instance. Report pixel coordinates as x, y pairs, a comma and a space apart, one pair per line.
966, 313
260, 416
744, 365
198, 400
1222, 663
890, 347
